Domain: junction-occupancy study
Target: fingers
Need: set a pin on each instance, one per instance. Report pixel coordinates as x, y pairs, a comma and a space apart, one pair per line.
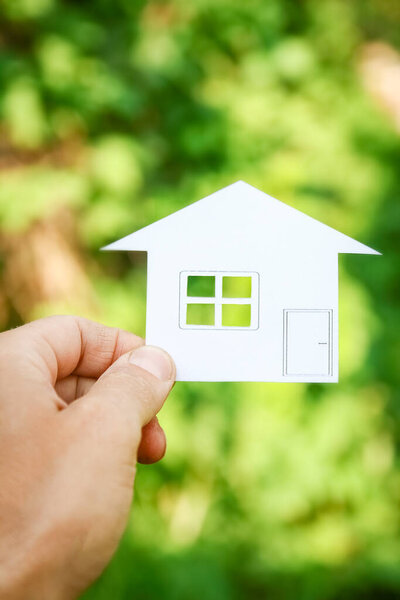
137, 384
53, 348
153, 444
67, 344
73, 387
127, 397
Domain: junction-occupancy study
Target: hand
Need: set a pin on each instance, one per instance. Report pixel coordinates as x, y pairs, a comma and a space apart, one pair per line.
77, 409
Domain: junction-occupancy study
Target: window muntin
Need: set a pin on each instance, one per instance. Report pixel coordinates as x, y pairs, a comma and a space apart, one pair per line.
219, 300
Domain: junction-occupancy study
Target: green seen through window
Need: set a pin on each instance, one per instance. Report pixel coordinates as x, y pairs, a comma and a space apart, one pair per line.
236, 315
236, 287
200, 314
201, 286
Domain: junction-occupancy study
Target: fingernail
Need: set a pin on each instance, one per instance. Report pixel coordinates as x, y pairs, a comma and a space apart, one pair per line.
154, 360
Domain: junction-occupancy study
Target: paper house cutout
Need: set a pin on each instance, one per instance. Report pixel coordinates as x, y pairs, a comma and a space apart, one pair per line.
241, 287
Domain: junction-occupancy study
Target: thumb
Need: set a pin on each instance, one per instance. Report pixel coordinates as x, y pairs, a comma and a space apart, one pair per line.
137, 385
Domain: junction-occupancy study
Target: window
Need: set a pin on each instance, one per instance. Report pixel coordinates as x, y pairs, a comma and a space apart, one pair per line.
218, 300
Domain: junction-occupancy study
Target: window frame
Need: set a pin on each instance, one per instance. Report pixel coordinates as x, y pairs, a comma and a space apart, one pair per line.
218, 300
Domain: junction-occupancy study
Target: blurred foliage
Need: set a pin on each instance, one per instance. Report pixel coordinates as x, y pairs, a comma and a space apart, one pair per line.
114, 114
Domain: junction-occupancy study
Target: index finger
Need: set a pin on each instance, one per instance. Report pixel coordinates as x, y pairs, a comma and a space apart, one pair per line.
58, 346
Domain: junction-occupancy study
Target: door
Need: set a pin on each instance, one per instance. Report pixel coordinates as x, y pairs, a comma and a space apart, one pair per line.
307, 342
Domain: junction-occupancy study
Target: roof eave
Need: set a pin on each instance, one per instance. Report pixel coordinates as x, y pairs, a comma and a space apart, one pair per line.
355, 247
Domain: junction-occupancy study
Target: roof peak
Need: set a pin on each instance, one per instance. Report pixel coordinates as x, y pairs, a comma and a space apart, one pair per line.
245, 209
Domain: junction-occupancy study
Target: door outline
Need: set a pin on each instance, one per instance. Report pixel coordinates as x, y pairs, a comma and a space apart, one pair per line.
286, 312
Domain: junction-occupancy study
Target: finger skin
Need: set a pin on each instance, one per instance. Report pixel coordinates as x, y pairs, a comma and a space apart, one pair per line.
73, 387
134, 391
35, 356
67, 475
55, 347
153, 444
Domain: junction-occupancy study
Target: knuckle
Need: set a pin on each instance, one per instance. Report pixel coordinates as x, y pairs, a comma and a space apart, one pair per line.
105, 340
99, 346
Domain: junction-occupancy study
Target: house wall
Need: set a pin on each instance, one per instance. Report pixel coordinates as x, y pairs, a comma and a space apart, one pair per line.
307, 279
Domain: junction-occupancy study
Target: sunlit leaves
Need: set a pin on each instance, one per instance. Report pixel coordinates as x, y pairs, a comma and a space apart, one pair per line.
24, 114
115, 165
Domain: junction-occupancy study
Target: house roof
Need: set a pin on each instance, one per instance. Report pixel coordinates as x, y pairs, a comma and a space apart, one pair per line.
244, 215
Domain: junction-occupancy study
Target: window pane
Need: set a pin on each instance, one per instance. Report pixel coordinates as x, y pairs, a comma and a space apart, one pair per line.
200, 314
236, 315
236, 287
201, 285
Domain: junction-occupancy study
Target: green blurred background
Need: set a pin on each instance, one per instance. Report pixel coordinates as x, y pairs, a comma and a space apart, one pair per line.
116, 113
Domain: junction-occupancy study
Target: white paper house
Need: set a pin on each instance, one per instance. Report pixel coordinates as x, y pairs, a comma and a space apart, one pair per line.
241, 287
